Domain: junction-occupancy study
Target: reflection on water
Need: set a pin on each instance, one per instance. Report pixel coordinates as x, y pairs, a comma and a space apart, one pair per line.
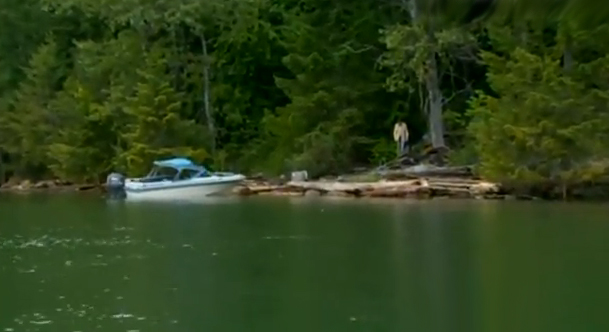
204, 200
86, 264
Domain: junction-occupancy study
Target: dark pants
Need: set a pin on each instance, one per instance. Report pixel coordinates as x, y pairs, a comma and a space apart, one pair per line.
402, 147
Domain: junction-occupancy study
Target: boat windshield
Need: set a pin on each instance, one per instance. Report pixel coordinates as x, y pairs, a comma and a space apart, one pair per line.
160, 173
186, 174
163, 172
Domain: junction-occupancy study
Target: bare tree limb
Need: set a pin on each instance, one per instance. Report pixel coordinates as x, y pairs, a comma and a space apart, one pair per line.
447, 100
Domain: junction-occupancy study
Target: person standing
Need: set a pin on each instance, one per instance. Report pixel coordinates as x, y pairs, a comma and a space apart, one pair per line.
400, 136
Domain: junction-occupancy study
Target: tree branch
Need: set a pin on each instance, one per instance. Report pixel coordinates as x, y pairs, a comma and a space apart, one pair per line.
447, 100
362, 50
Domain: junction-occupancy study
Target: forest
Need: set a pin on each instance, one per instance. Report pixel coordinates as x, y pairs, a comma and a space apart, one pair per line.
518, 88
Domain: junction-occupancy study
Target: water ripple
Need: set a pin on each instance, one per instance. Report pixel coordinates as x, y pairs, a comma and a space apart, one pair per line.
71, 243
79, 314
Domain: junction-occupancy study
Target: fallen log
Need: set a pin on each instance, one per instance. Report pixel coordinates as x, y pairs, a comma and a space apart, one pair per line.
86, 187
415, 188
444, 188
262, 189
400, 192
355, 188
452, 180
427, 170
254, 189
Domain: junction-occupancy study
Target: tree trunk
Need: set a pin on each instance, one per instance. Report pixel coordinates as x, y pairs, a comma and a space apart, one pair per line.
434, 115
206, 95
568, 60
2, 172
567, 56
432, 84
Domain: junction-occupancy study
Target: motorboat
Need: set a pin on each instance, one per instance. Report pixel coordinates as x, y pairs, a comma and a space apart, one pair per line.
169, 179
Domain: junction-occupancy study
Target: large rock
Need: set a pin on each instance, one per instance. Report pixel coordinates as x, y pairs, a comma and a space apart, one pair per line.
312, 193
241, 191
299, 176
45, 184
483, 188
12, 183
25, 185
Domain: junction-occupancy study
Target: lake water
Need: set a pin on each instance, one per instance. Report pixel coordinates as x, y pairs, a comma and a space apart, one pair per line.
70, 263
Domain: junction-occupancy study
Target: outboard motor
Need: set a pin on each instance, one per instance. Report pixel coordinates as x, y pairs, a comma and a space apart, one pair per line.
115, 185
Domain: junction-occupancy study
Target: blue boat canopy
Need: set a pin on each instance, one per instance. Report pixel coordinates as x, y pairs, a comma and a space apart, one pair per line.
176, 163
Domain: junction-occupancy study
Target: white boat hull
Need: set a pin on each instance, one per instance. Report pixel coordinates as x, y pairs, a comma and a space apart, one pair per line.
171, 190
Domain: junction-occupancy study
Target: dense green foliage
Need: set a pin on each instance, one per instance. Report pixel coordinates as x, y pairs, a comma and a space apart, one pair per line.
88, 86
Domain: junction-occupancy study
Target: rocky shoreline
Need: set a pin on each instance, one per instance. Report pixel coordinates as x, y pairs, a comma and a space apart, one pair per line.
420, 188
410, 187
402, 178
26, 186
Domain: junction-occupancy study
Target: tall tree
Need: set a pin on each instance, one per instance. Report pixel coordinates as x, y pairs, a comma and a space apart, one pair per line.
333, 87
424, 50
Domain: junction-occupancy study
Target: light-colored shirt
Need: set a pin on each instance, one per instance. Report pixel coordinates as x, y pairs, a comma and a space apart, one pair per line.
400, 130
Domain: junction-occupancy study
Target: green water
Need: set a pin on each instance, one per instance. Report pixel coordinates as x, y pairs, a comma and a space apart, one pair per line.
83, 264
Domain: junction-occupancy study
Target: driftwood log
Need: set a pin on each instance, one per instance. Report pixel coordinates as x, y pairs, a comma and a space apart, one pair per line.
427, 171
414, 188
370, 189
